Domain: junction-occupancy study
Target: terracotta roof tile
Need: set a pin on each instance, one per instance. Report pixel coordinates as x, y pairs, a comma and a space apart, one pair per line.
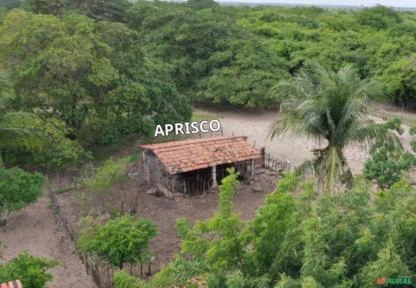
194, 154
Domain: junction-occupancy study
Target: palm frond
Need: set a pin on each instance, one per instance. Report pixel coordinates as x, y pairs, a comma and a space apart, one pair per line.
371, 134
13, 131
332, 107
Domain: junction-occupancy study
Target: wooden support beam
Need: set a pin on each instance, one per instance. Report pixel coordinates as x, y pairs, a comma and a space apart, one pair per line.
214, 177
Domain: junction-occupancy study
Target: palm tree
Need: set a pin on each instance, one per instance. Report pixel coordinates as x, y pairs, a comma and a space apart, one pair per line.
12, 133
331, 106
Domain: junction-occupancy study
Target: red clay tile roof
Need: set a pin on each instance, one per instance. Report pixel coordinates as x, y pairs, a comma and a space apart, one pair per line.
12, 284
193, 154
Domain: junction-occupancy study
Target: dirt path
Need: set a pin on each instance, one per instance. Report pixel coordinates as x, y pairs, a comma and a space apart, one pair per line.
35, 230
294, 148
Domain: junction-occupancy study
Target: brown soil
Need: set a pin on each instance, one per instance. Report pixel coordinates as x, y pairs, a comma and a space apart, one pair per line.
35, 230
165, 212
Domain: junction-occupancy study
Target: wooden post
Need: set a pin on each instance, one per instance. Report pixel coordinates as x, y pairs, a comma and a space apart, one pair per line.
214, 177
252, 168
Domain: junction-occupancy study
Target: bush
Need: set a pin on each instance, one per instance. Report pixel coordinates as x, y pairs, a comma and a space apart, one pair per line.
119, 241
17, 190
111, 173
387, 166
29, 269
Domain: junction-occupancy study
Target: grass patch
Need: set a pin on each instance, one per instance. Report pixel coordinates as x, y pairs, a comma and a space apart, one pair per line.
200, 117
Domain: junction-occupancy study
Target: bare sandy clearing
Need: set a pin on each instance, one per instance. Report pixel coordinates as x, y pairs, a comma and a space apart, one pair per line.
35, 230
294, 148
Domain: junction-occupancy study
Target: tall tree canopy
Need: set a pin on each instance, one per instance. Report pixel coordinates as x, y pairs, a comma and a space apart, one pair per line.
92, 75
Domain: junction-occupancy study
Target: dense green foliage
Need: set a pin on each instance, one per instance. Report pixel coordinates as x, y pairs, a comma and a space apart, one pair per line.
111, 10
30, 270
14, 132
108, 69
343, 240
387, 166
119, 241
17, 190
93, 76
54, 150
236, 54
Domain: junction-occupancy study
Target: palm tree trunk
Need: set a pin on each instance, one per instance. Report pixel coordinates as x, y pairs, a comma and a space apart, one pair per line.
332, 169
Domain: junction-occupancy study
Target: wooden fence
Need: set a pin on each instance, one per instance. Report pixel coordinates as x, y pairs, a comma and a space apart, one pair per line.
102, 275
275, 164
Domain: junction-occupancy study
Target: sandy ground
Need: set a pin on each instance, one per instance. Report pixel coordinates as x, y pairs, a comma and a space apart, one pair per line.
34, 228
293, 148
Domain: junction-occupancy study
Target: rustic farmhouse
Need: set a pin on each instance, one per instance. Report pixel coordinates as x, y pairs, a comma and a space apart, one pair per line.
194, 166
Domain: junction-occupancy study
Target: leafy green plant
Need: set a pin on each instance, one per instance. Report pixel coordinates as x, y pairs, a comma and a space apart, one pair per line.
299, 240
387, 166
17, 190
31, 270
111, 173
55, 149
119, 241
123, 280
13, 132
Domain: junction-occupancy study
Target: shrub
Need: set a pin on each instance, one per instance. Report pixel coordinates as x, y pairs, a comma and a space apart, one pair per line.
119, 241
17, 190
31, 270
387, 166
111, 173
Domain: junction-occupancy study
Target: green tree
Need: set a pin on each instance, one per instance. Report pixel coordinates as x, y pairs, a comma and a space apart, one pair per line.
14, 134
119, 241
202, 4
300, 240
214, 246
10, 4
92, 75
111, 10
17, 190
331, 107
55, 150
379, 17
31, 270
55, 7
388, 166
